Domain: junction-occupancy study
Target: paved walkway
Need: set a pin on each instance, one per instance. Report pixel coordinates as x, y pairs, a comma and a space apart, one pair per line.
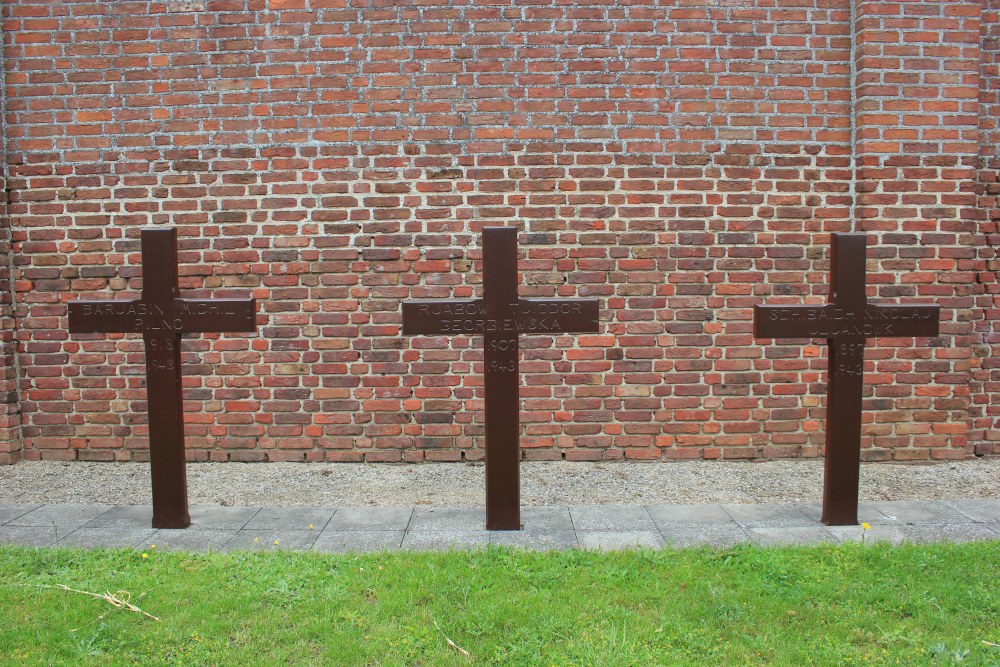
604, 527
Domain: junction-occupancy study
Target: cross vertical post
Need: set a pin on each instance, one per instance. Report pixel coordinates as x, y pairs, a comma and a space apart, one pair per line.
846, 322
501, 356
500, 316
161, 316
845, 382
164, 400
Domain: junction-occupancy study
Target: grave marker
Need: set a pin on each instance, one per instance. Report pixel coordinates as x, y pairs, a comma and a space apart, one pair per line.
161, 316
846, 321
500, 316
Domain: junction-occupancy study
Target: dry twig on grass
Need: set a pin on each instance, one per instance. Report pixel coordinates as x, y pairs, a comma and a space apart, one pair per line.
451, 643
119, 599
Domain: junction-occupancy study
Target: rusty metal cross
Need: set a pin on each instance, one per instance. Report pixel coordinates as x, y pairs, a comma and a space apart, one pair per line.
161, 316
846, 321
500, 316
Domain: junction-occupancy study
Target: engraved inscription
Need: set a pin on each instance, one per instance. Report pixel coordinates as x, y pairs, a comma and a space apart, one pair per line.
451, 309
527, 308
829, 321
502, 366
137, 308
161, 364
828, 314
501, 355
502, 344
482, 325
207, 309
850, 359
159, 324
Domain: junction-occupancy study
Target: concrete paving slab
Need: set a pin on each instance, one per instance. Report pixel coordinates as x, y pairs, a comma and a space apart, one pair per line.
66, 518
789, 535
613, 540
29, 536
371, 518
135, 517
678, 535
358, 541
768, 516
185, 539
448, 519
290, 518
665, 515
250, 539
980, 509
877, 533
607, 527
106, 537
613, 518
916, 511
207, 517
546, 518
11, 512
951, 532
866, 512
537, 540
437, 540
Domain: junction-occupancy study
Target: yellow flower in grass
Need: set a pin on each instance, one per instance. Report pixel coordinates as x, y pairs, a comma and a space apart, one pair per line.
866, 525
145, 556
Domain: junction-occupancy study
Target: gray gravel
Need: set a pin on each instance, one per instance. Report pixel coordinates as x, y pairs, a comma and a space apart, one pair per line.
461, 484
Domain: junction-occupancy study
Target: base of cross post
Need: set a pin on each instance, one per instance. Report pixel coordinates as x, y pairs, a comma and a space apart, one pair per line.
840, 517
171, 521
504, 523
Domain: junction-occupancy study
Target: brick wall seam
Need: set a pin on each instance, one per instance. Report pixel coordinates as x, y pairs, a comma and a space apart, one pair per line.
985, 412
853, 114
10, 429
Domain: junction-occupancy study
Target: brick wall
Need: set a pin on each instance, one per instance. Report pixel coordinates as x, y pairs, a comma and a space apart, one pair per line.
680, 160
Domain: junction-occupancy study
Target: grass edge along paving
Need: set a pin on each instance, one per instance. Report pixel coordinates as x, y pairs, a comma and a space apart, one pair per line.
844, 604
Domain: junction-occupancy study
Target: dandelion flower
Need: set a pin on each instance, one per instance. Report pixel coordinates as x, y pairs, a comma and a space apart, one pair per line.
277, 541
145, 556
866, 525
256, 539
311, 526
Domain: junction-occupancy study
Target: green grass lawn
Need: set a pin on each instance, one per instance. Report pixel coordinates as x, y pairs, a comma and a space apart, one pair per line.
825, 605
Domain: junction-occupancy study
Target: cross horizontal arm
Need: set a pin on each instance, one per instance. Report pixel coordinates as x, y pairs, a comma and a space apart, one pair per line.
216, 315
831, 321
108, 316
443, 317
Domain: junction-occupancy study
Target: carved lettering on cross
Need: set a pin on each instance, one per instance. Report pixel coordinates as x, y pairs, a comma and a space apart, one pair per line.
846, 321
161, 316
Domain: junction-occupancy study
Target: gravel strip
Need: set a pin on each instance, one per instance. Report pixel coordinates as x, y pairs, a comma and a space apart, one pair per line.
462, 484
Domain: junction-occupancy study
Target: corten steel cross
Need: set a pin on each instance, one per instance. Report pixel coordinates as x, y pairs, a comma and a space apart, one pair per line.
500, 316
161, 316
846, 321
